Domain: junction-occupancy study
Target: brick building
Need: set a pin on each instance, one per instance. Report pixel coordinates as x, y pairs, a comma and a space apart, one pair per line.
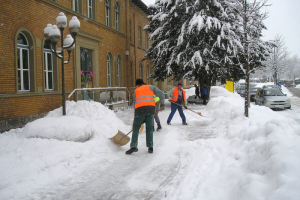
108, 52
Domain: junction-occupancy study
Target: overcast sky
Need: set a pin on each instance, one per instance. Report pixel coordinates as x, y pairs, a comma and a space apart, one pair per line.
284, 20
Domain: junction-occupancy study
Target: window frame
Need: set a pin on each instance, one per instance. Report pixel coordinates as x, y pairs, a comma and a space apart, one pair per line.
118, 71
90, 9
147, 74
146, 39
107, 12
130, 31
140, 36
76, 2
117, 16
109, 69
46, 69
20, 64
141, 70
131, 74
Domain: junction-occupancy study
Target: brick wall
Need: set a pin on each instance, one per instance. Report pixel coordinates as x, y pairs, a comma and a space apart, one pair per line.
33, 16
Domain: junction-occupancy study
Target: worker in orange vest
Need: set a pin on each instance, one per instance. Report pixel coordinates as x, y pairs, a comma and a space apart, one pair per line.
144, 105
177, 95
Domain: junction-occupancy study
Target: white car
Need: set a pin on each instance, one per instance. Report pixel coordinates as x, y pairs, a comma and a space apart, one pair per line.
272, 98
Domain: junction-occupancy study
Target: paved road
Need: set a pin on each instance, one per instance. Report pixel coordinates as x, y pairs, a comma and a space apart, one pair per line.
294, 91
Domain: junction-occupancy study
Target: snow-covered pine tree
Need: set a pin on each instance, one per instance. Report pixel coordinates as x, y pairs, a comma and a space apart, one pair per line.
165, 23
191, 37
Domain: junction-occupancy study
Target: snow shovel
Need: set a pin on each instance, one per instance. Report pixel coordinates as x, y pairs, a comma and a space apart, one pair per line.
121, 139
187, 108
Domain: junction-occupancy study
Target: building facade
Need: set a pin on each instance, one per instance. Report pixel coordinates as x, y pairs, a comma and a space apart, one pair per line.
109, 48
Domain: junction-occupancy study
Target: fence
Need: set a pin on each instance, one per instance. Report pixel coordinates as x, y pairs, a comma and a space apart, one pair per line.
113, 97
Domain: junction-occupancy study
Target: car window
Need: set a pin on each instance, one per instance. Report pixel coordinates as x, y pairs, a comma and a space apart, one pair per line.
274, 92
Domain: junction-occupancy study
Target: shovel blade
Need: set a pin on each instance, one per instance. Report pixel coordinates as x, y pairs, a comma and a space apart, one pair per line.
120, 138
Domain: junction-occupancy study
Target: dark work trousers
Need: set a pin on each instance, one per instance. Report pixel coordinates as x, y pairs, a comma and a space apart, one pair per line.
137, 122
197, 95
204, 99
174, 107
157, 107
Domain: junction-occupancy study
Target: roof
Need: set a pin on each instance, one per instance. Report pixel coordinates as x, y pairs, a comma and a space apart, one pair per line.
141, 5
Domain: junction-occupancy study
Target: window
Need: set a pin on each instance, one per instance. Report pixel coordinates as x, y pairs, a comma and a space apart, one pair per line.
76, 5
118, 71
131, 74
146, 39
107, 12
108, 64
90, 7
117, 17
130, 31
141, 70
147, 72
48, 67
23, 63
140, 36
86, 68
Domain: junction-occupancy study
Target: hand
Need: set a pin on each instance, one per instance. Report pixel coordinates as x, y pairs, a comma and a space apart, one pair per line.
185, 107
162, 107
170, 98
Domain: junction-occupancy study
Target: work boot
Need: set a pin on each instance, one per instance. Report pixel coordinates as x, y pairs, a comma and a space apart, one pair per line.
158, 127
131, 150
184, 123
150, 150
169, 123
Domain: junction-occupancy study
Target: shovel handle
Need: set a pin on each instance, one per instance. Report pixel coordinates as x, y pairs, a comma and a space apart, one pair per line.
186, 107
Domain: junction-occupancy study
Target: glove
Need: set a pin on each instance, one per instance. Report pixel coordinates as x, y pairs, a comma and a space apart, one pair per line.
170, 98
185, 107
162, 107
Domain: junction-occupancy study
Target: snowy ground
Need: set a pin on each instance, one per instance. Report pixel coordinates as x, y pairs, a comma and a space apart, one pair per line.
220, 156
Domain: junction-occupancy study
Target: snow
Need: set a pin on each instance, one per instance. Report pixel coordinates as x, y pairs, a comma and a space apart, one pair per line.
219, 155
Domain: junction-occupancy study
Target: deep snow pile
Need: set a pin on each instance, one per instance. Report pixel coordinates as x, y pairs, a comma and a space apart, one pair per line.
223, 155
45, 150
82, 120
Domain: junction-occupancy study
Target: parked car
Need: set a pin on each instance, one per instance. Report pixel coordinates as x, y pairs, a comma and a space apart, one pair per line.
272, 98
241, 90
253, 91
272, 86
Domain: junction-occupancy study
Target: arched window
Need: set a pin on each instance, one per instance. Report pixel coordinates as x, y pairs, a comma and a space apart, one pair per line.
107, 12
147, 72
141, 70
117, 11
48, 67
108, 70
118, 71
23, 58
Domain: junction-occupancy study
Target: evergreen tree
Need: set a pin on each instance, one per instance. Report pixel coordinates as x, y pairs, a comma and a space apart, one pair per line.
191, 37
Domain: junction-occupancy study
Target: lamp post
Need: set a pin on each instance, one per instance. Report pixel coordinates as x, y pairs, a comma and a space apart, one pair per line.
52, 34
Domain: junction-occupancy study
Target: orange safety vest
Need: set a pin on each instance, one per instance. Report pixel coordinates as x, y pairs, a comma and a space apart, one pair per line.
144, 97
176, 94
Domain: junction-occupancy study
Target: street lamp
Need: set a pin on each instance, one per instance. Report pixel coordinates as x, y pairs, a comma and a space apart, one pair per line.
52, 34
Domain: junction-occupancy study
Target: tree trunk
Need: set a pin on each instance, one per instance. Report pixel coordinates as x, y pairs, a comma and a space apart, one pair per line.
246, 67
